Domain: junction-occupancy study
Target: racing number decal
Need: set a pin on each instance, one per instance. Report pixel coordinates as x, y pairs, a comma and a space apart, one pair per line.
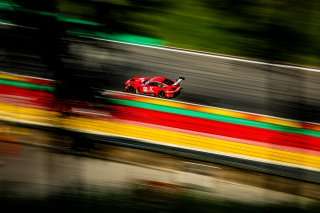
147, 90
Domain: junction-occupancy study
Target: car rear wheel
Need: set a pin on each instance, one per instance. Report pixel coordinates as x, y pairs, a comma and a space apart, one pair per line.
178, 93
161, 94
131, 90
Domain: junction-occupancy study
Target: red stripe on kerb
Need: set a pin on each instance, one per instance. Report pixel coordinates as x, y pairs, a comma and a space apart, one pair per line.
217, 127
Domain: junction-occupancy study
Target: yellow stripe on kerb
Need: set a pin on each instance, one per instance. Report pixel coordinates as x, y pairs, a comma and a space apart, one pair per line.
222, 112
27, 114
194, 141
159, 102
11, 77
279, 121
172, 138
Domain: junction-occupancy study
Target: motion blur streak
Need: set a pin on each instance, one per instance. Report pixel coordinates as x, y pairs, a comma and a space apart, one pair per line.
194, 141
290, 140
214, 110
250, 121
242, 132
213, 130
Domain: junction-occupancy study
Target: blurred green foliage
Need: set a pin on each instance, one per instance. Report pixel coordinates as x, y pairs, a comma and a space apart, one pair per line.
279, 31
285, 31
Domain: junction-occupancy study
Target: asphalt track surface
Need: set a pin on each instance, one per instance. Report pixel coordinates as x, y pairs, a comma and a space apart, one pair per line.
286, 92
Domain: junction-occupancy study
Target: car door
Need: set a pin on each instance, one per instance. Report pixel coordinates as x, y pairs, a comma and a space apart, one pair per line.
152, 87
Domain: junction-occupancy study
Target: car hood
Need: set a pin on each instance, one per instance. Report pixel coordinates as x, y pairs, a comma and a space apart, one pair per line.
137, 80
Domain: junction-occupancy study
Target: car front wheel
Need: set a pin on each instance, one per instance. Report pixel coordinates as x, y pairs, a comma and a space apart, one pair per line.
131, 90
161, 94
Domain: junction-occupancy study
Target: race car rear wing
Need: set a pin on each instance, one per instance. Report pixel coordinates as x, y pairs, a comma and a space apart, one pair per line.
178, 81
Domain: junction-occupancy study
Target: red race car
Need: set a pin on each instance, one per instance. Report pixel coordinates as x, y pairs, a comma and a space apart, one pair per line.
158, 86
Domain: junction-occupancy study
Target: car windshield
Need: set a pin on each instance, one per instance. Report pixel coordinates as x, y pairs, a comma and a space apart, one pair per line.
168, 82
146, 82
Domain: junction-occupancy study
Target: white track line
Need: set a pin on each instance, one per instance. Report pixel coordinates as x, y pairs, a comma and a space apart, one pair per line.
211, 55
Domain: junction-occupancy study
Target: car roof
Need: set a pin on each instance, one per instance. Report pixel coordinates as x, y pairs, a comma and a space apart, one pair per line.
158, 78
